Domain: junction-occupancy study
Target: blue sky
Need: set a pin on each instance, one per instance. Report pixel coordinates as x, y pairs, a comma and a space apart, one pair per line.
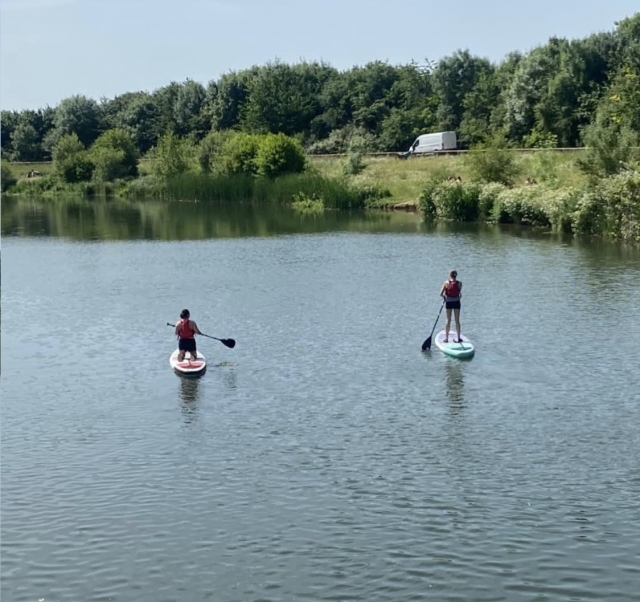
51, 49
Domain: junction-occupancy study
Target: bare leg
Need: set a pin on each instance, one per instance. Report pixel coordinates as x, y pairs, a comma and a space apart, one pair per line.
447, 326
181, 355
457, 316
194, 355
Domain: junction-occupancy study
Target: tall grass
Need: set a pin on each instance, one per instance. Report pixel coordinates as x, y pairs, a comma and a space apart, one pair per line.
333, 192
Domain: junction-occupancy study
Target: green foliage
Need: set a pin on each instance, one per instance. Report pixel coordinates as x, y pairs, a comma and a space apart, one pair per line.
305, 204
114, 156
549, 96
210, 151
78, 115
492, 162
71, 160
611, 148
242, 187
451, 201
239, 154
278, 155
7, 178
173, 156
611, 209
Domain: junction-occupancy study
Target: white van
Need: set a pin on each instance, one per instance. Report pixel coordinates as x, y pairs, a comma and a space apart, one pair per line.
433, 143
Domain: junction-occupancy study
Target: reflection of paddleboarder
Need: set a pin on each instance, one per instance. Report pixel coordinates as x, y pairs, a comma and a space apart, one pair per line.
452, 292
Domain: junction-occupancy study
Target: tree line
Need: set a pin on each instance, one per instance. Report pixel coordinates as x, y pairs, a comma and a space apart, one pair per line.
564, 93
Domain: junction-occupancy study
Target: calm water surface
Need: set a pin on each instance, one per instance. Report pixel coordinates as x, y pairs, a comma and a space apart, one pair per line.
325, 457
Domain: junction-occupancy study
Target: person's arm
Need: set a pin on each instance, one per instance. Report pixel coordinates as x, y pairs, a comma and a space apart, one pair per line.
177, 330
443, 289
460, 289
195, 327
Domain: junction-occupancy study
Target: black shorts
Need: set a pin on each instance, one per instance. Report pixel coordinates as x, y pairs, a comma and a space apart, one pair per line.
453, 304
187, 345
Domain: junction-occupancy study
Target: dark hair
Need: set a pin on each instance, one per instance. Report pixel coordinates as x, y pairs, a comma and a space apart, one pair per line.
184, 314
453, 274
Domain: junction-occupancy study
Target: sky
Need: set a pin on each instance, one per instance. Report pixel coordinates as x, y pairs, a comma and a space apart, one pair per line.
52, 49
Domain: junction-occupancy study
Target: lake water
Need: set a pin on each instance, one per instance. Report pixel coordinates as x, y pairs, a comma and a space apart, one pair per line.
325, 457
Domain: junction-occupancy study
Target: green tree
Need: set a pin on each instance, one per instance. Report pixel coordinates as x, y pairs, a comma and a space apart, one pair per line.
455, 77
78, 115
7, 177
239, 153
71, 160
173, 156
114, 155
278, 155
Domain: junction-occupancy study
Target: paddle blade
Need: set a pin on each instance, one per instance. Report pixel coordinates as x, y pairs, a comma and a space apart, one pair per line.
427, 344
228, 342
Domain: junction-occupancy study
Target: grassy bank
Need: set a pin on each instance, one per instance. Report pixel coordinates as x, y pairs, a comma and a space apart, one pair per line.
406, 180
609, 208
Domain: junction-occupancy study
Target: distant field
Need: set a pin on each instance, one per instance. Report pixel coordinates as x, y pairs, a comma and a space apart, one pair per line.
20, 170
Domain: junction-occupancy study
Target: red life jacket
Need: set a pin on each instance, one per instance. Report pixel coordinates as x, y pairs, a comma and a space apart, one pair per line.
186, 332
453, 288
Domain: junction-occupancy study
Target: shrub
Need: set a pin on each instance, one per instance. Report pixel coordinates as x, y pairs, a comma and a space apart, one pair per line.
71, 162
610, 149
612, 209
278, 155
115, 156
173, 156
520, 206
492, 162
450, 201
7, 178
239, 154
488, 199
353, 164
210, 151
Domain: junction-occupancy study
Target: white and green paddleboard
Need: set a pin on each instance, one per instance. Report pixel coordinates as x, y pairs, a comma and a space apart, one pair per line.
462, 350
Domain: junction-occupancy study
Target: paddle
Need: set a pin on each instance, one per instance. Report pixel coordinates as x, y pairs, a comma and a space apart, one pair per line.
228, 342
427, 344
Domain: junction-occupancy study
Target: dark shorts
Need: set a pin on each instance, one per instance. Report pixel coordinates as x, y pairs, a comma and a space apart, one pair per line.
453, 304
187, 344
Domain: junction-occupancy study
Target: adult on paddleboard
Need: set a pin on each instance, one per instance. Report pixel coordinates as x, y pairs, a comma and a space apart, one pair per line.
186, 330
451, 291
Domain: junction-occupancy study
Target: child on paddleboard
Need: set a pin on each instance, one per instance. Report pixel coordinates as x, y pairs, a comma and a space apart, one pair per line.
451, 291
186, 330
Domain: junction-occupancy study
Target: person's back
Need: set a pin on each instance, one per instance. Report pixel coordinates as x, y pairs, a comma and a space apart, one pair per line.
452, 291
186, 329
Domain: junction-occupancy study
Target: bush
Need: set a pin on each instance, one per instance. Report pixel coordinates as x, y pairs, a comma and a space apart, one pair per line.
451, 201
210, 151
612, 209
520, 206
278, 155
76, 168
71, 161
492, 162
488, 199
173, 156
348, 138
353, 164
7, 178
611, 148
115, 156
239, 154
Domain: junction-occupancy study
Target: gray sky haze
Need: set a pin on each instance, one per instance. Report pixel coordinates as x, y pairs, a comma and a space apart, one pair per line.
51, 49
